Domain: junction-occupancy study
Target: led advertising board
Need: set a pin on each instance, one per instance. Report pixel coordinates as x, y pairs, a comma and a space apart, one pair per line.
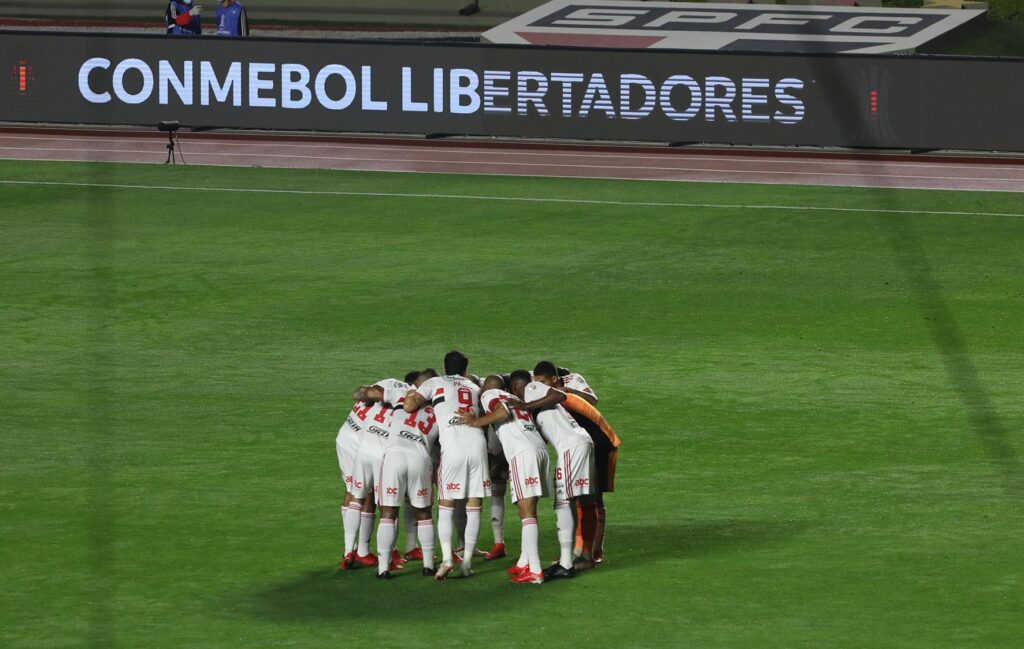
658, 96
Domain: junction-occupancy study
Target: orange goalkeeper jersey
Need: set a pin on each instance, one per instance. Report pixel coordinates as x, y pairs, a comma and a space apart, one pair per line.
580, 406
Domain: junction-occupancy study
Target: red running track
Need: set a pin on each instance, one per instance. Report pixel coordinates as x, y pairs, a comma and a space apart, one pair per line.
739, 165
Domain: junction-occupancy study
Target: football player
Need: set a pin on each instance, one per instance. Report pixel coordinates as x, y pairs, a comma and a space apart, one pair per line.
462, 474
347, 445
373, 420
574, 468
527, 458
405, 475
592, 511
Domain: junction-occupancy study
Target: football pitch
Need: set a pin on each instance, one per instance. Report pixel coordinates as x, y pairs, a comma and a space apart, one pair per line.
819, 392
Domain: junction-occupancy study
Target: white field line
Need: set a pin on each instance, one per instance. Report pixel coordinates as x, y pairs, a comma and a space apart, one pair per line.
483, 150
542, 165
519, 199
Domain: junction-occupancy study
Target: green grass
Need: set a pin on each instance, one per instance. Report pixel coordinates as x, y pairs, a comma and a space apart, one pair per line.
821, 410
994, 38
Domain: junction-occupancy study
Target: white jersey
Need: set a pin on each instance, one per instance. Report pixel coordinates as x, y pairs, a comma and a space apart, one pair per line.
517, 434
413, 432
556, 425
374, 419
449, 396
578, 383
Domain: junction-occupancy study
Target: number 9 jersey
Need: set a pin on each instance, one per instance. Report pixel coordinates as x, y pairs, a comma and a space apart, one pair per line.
449, 396
463, 471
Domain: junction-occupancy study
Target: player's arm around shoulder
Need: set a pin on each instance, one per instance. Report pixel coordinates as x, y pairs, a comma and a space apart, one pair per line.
538, 396
495, 409
419, 396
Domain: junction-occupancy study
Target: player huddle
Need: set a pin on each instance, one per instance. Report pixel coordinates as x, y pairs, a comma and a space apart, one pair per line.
451, 436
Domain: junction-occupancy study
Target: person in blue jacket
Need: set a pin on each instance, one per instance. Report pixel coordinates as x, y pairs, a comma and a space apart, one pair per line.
183, 18
231, 19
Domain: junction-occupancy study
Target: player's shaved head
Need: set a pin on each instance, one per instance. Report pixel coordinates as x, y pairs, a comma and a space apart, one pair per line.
455, 362
410, 377
494, 382
425, 376
519, 379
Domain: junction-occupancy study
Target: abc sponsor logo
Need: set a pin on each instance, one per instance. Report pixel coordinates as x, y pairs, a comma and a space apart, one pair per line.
582, 482
531, 481
453, 486
392, 491
422, 492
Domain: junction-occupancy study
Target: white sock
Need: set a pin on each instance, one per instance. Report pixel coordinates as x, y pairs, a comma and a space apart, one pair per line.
459, 520
498, 515
350, 521
531, 541
444, 532
566, 532
365, 532
385, 538
409, 523
472, 534
425, 532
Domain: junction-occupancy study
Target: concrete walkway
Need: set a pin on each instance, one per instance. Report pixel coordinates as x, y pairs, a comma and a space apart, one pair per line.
431, 13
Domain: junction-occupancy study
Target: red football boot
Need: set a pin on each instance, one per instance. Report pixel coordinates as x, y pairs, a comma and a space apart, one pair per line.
516, 570
416, 554
527, 577
497, 551
367, 561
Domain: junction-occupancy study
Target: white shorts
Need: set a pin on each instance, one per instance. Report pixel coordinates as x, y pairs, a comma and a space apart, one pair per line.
574, 472
528, 475
364, 474
404, 475
347, 445
463, 473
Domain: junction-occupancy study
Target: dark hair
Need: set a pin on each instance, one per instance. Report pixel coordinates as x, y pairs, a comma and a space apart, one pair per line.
563, 372
410, 377
519, 375
429, 373
455, 362
545, 368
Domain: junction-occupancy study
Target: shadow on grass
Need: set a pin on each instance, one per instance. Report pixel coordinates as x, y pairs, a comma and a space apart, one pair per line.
358, 595
630, 546
982, 414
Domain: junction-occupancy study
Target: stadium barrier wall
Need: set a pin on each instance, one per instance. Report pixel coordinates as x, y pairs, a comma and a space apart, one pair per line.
431, 89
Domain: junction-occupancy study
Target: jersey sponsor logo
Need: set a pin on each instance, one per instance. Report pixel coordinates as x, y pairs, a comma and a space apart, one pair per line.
392, 491
581, 482
531, 481
453, 486
351, 422
377, 431
357, 484
412, 437
487, 484
721, 26
348, 479
422, 492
